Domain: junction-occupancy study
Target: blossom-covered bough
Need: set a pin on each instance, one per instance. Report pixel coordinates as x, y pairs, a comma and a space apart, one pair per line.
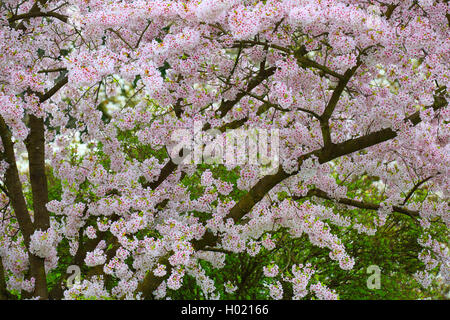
91, 92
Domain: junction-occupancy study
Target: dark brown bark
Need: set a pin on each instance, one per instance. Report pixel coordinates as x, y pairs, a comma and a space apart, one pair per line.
152, 282
36, 14
35, 144
13, 184
335, 97
15, 192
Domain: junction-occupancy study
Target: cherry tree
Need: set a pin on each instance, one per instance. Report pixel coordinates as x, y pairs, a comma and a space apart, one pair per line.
92, 91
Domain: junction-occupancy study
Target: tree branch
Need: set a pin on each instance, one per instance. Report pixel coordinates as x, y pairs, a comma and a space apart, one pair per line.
357, 204
37, 14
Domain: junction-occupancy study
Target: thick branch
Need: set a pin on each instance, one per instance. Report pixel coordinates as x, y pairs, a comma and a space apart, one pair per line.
374, 138
37, 14
35, 144
357, 204
329, 109
44, 97
226, 106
